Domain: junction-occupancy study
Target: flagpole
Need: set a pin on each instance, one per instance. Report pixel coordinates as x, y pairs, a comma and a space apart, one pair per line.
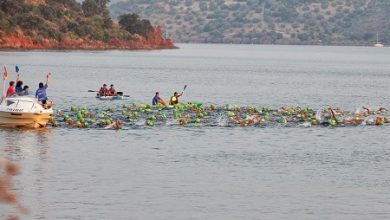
5, 77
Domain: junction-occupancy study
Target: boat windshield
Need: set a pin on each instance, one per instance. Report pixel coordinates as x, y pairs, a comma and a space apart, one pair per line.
19, 104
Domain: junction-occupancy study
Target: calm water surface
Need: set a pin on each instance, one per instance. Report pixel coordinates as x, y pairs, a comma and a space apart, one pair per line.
214, 172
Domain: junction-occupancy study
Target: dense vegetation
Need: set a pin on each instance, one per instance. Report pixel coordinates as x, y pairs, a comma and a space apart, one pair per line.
329, 22
69, 23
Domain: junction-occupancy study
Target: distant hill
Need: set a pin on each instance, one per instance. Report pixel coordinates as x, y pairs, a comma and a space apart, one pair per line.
111, 1
328, 22
69, 24
115, 1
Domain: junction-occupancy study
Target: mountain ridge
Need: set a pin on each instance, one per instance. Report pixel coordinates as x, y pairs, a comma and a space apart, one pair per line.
327, 22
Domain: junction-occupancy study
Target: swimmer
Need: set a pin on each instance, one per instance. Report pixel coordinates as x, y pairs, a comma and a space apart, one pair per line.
368, 110
251, 120
115, 125
382, 110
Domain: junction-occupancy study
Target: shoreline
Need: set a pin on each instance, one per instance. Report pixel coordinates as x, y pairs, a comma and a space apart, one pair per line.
319, 45
85, 48
10, 49
23, 43
174, 47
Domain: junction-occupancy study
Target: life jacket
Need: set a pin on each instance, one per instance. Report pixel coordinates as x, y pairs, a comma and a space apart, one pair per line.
174, 100
104, 92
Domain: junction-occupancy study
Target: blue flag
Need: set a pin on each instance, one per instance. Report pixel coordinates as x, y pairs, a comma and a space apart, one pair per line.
17, 69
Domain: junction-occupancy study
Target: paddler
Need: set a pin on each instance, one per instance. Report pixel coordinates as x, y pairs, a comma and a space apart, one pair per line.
112, 90
104, 91
40, 94
175, 98
157, 99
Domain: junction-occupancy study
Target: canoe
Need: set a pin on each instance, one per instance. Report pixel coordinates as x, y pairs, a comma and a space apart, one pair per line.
24, 112
110, 97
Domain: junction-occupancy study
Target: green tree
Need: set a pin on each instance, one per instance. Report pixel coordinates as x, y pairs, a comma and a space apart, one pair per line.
11, 7
134, 25
90, 8
102, 3
95, 7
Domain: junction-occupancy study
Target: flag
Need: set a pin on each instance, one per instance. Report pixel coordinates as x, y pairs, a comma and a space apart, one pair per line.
5, 76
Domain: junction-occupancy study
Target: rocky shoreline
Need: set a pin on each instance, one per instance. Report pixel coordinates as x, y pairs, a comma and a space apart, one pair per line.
154, 41
139, 43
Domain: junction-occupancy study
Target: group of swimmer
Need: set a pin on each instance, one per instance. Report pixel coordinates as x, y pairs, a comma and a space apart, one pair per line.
105, 91
329, 116
19, 90
135, 115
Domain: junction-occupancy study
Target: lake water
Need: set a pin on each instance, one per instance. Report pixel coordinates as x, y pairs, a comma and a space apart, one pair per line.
211, 172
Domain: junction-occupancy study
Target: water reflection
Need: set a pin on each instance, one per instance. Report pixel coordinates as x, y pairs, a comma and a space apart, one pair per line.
29, 149
21, 143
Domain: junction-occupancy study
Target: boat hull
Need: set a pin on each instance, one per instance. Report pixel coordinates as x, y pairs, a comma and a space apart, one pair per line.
110, 97
25, 120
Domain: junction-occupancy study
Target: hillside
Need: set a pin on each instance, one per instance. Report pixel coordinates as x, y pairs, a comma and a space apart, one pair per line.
328, 22
69, 24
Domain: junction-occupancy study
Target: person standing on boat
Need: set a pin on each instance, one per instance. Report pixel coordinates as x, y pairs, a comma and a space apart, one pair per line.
112, 90
19, 87
103, 91
40, 94
175, 98
157, 99
11, 89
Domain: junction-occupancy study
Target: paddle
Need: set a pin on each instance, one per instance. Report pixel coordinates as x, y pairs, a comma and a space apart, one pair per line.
121, 94
17, 73
185, 87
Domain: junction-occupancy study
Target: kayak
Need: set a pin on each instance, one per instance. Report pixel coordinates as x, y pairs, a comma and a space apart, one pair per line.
118, 97
196, 104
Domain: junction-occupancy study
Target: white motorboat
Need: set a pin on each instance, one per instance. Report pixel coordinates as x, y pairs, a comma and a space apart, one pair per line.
23, 111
